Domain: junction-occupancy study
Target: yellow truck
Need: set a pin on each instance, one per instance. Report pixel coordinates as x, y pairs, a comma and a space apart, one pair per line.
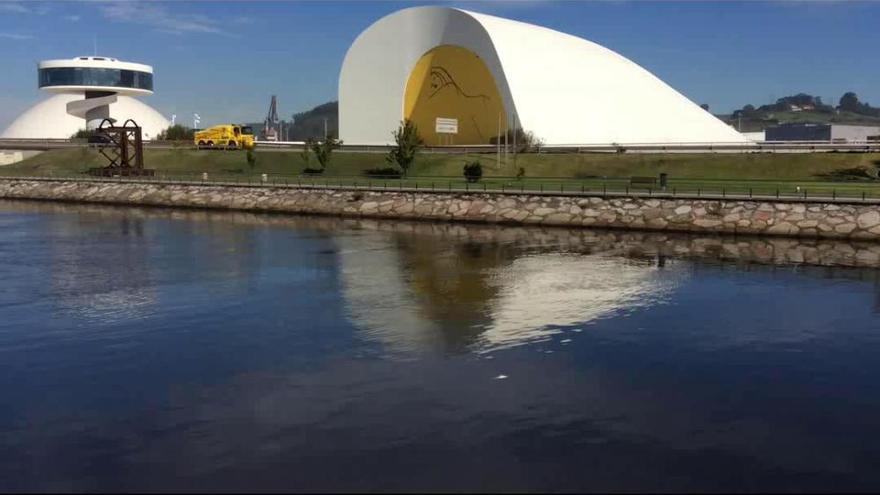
225, 136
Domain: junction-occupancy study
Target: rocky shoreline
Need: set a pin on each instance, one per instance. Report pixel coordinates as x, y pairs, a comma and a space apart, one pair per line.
835, 220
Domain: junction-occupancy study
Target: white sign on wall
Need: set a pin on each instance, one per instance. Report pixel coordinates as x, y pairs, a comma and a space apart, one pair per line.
446, 126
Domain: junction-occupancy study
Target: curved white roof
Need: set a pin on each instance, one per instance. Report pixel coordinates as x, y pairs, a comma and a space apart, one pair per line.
94, 62
567, 90
49, 119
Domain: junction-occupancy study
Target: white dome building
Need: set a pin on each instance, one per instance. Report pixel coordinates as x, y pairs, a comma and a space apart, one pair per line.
88, 90
481, 73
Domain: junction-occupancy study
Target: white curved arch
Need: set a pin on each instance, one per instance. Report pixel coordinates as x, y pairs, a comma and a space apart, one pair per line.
49, 119
567, 90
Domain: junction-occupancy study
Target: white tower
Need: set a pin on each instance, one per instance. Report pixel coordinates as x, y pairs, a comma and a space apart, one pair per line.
85, 91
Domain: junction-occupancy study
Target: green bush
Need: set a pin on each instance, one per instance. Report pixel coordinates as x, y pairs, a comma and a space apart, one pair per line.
473, 171
312, 171
251, 159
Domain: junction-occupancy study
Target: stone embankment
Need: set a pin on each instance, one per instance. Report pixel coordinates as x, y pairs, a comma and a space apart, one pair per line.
735, 216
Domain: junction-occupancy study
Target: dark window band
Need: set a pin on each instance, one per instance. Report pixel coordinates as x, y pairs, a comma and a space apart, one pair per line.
86, 76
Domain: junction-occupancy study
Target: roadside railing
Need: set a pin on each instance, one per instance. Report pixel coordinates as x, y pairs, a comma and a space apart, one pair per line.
809, 191
573, 148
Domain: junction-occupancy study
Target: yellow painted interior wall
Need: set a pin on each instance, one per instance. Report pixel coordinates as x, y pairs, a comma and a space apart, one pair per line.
453, 82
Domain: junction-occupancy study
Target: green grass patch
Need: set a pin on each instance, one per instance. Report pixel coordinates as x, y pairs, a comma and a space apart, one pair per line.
761, 173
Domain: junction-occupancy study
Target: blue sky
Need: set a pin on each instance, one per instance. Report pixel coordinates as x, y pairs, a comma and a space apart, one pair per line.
225, 59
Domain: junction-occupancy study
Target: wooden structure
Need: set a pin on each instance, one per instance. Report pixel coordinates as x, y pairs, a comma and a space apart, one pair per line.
123, 147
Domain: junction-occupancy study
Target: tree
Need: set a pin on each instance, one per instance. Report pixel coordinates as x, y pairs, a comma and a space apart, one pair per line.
251, 159
849, 102
705, 106
407, 143
324, 150
176, 132
306, 153
526, 141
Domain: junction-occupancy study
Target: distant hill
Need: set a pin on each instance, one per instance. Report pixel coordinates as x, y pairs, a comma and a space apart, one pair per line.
310, 124
803, 107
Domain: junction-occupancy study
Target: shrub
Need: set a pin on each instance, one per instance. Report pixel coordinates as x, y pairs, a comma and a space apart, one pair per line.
387, 172
473, 171
251, 159
312, 171
520, 173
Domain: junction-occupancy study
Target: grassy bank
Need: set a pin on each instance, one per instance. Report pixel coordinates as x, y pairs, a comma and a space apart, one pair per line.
762, 173
732, 166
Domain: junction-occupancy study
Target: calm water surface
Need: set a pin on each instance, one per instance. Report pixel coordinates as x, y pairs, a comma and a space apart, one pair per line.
160, 349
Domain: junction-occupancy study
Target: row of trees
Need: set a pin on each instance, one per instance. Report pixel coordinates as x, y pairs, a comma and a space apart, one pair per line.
407, 143
401, 157
849, 102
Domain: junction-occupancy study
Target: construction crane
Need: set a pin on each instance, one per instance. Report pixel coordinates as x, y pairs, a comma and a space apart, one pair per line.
269, 125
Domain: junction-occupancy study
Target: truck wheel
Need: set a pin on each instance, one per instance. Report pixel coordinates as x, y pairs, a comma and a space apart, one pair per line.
210, 144
201, 144
232, 145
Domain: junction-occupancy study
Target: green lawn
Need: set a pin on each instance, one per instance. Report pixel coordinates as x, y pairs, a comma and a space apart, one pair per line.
736, 173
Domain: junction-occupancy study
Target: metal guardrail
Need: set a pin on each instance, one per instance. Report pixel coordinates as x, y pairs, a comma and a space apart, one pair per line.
606, 188
767, 146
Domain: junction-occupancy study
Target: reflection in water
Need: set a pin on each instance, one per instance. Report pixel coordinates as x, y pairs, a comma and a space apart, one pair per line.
275, 353
558, 290
100, 269
482, 295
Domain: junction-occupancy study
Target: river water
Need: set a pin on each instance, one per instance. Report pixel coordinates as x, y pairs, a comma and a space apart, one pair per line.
158, 349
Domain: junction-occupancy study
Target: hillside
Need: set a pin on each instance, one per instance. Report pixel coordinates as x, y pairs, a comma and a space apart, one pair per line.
802, 108
770, 119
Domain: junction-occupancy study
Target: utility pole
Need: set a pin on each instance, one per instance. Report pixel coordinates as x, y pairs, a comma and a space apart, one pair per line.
325, 128
515, 132
498, 146
506, 132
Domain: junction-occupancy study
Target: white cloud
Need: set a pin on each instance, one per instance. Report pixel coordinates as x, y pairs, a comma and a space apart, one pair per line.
13, 7
38, 8
157, 16
73, 18
16, 36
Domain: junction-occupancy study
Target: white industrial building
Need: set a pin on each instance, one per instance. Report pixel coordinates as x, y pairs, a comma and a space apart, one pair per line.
465, 78
86, 90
